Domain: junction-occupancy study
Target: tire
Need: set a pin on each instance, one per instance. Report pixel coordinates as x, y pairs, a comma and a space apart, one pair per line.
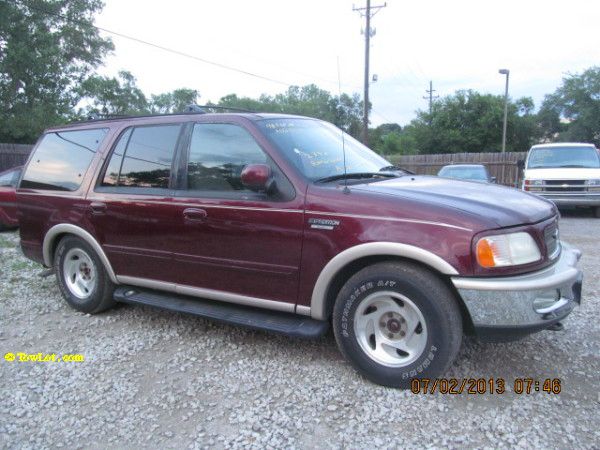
81, 276
380, 306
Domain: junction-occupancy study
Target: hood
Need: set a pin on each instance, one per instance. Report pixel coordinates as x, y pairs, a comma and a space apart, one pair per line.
562, 173
503, 206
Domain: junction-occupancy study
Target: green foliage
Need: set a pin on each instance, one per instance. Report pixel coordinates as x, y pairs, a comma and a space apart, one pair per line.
471, 122
117, 96
122, 96
577, 101
173, 102
388, 139
47, 48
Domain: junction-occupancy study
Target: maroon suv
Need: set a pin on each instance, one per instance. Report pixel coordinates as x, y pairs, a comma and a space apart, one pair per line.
280, 223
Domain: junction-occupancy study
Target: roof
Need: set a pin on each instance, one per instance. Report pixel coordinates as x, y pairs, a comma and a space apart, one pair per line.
473, 166
563, 144
174, 118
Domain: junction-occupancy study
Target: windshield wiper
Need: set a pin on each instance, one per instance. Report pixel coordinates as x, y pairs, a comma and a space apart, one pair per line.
575, 165
341, 176
566, 166
395, 168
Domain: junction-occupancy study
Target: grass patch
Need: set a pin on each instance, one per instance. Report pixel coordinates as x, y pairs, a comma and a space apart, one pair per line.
19, 264
5, 242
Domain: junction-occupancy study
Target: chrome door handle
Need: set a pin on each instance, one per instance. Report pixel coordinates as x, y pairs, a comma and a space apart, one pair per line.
194, 214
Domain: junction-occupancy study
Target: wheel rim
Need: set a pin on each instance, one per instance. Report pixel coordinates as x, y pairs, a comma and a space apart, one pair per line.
79, 273
390, 329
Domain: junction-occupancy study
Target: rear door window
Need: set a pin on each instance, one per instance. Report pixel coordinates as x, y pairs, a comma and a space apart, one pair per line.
142, 158
61, 159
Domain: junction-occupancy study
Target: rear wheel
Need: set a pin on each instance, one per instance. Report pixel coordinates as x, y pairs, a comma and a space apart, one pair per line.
395, 322
81, 276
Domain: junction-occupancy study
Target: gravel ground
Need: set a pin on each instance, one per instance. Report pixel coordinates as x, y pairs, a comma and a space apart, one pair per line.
164, 380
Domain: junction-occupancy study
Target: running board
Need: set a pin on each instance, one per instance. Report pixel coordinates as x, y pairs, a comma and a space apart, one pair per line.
294, 325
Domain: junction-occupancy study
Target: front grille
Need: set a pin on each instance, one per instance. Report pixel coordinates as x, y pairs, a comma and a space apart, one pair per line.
564, 186
551, 238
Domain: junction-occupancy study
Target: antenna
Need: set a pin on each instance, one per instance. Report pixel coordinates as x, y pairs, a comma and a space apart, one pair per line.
346, 190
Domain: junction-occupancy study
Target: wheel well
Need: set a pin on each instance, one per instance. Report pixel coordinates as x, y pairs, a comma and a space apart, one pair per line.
350, 269
54, 244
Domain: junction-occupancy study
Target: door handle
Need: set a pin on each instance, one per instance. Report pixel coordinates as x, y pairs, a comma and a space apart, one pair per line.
98, 207
194, 214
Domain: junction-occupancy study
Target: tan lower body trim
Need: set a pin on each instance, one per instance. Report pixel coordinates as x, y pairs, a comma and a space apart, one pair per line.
208, 293
304, 310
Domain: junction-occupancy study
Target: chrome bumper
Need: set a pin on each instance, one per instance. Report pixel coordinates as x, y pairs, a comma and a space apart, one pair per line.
525, 303
574, 199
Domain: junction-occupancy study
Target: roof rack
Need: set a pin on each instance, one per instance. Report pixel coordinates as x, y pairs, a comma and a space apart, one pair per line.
190, 109
202, 109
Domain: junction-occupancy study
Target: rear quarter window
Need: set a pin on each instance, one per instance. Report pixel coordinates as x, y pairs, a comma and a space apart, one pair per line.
61, 159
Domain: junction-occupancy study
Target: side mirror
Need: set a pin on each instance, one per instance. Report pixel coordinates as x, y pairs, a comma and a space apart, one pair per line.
521, 163
493, 179
257, 177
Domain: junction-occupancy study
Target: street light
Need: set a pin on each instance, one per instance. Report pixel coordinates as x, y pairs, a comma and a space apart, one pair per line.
507, 73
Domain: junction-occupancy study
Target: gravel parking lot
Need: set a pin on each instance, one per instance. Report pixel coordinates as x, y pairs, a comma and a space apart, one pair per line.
164, 380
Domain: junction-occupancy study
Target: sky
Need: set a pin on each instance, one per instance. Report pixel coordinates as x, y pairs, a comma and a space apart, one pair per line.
459, 44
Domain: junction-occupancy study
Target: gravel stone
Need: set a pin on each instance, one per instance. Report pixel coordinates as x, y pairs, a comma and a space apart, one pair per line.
158, 379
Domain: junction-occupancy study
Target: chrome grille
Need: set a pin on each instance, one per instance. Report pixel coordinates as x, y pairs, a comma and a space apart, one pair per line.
564, 186
551, 238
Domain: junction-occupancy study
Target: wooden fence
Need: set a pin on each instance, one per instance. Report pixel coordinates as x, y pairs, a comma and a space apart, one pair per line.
12, 155
503, 166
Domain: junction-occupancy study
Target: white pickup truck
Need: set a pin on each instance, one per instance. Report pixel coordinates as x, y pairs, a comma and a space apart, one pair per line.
566, 173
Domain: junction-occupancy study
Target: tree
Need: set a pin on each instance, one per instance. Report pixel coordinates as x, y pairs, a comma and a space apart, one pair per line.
471, 122
173, 102
47, 48
113, 96
378, 135
577, 103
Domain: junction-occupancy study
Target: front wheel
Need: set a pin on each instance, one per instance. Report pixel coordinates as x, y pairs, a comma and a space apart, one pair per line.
396, 321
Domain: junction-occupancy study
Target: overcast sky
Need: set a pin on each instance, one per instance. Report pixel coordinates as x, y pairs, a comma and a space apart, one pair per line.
457, 44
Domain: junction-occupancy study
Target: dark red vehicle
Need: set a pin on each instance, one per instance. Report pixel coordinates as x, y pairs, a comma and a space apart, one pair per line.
8, 198
277, 222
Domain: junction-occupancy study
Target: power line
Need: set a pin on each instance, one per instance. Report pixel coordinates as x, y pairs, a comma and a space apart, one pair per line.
175, 51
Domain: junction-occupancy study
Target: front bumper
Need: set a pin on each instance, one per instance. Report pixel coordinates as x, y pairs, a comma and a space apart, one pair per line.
571, 199
504, 308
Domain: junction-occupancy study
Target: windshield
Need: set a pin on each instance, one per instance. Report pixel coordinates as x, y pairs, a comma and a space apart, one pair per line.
468, 173
552, 157
315, 148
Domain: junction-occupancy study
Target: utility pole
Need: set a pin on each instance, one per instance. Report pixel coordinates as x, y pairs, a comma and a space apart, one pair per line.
507, 73
367, 12
431, 97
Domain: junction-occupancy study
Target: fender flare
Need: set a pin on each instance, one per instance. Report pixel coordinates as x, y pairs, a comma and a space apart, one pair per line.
67, 228
318, 303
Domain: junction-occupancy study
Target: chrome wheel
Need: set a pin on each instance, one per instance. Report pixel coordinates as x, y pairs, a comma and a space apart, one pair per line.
79, 273
390, 329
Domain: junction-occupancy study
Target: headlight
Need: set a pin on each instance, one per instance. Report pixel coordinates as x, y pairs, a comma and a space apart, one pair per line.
533, 185
507, 250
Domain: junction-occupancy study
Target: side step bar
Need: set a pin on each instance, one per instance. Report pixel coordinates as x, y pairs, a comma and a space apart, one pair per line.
289, 324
